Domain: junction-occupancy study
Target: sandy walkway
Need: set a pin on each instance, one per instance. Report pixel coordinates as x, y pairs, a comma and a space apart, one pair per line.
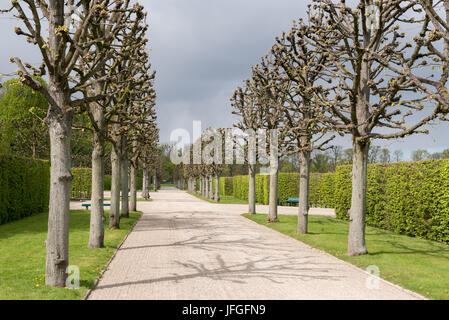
185, 248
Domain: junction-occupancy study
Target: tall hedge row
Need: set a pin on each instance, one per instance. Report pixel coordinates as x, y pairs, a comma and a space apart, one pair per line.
226, 187
408, 198
25, 187
81, 183
321, 185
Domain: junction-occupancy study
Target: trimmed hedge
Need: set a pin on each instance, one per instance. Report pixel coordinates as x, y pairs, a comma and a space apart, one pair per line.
107, 182
410, 198
226, 187
321, 188
25, 187
81, 183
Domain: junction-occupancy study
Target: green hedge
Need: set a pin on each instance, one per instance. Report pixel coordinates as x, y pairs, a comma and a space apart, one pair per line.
226, 186
81, 183
322, 191
288, 186
25, 187
107, 182
408, 198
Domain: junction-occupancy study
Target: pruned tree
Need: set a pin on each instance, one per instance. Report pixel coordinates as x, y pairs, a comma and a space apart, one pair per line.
63, 47
364, 45
296, 73
270, 100
244, 106
113, 26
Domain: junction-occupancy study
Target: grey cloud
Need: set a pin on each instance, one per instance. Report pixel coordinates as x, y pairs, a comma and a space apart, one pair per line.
202, 50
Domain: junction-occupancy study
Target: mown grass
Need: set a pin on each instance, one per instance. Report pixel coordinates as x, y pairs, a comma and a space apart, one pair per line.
22, 256
223, 199
415, 264
138, 199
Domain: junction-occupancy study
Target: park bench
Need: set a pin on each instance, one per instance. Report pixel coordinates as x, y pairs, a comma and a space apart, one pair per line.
292, 201
88, 205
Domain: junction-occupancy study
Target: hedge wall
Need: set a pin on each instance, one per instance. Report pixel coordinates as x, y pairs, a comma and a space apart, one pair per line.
81, 183
322, 191
107, 182
25, 187
226, 187
408, 198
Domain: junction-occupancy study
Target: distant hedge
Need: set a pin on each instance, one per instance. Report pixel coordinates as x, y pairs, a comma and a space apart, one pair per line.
81, 183
25, 187
321, 188
226, 187
107, 182
409, 198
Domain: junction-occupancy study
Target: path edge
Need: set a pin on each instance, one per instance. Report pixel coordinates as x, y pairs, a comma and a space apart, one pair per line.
417, 295
110, 260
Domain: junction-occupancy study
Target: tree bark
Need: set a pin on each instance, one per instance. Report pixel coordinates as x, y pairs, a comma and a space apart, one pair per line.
114, 214
133, 191
304, 176
125, 181
217, 188
252, 189
96, 236
145, 186
211, 187
57, 261
156, 182
356, 237
273, 207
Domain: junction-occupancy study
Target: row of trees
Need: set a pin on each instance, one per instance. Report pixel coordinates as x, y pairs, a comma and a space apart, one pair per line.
349, 70
94, 56
202, 161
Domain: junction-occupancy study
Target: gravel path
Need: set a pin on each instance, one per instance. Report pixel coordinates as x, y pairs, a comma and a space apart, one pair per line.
184, 248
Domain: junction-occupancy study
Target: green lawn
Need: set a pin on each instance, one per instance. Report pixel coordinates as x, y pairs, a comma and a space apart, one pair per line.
223, 199
138, 199
416, 264
22, 256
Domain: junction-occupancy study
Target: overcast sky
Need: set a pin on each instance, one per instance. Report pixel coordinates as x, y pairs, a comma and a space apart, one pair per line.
202, 50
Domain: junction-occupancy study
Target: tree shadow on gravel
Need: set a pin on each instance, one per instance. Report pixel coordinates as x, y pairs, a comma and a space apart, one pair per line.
274, 269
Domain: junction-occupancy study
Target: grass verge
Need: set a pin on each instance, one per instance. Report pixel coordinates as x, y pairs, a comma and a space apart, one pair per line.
223, 199
22, 256
416, 264
138, 199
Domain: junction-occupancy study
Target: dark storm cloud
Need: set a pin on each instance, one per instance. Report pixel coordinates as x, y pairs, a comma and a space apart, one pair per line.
202, 50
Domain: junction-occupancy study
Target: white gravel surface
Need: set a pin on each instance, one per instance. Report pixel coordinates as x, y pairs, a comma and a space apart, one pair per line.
184, 248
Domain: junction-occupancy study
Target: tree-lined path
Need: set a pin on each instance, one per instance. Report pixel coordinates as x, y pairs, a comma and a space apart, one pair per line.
186, 248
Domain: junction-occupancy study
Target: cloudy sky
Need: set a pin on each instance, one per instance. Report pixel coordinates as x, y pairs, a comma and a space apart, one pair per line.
202, 50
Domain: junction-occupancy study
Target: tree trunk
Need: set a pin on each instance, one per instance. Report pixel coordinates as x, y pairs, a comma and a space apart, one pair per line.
156, 183
356, 237
273, 207
114, 214
252, 189
201, 186
211, 187
125, 181
133, 191
304, 175
96, 236
217, 188
145, 186
60, 129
